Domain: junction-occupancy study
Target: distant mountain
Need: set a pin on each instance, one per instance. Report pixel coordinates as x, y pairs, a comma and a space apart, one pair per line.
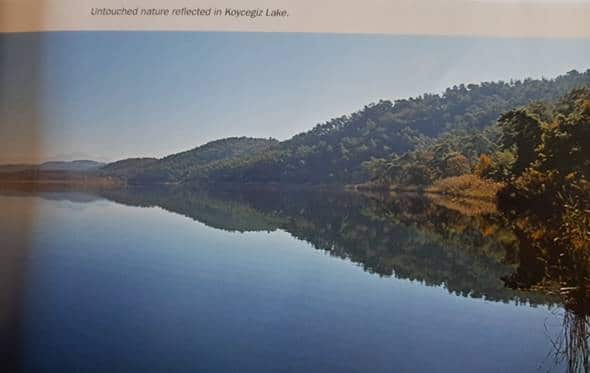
75, 166
65, 166
127, 167
194, 163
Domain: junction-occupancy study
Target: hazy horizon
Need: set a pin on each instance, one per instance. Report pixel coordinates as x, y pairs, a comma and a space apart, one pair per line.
111, 95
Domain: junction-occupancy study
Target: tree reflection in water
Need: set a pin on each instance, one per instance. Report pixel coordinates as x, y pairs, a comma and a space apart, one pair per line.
465, 246
554, 258
570, 347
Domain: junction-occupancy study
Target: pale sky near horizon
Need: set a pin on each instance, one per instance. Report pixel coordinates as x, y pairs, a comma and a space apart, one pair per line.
112, 95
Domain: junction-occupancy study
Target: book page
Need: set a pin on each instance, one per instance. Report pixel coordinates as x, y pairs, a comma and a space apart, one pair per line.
294, 186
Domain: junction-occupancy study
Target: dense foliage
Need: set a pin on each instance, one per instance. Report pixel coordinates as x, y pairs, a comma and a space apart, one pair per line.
536, 149
548, 193
452, 126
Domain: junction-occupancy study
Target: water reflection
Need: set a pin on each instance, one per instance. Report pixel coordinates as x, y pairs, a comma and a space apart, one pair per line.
464, 246
554, 258
570, 347
439, 243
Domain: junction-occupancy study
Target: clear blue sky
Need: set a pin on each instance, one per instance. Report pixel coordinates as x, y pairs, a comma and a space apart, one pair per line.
111, 95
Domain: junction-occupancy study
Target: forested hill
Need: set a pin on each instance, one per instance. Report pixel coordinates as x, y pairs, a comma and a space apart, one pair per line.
189, 164
337, 151
334, 152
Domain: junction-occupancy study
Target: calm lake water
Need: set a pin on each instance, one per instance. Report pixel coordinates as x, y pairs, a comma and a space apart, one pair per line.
166, 281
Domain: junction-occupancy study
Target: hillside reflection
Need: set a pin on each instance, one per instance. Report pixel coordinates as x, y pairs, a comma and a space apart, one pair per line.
464, 246
436, 242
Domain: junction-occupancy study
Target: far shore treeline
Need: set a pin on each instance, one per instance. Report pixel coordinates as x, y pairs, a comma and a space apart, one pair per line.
515, 137
526, 140
488, 130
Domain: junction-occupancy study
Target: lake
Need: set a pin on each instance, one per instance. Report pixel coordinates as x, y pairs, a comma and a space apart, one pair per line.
162, 280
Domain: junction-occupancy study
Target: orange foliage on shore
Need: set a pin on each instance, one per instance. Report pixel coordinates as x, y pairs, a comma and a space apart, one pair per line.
466, 186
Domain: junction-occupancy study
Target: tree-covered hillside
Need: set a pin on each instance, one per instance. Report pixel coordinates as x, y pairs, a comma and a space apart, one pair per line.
455, 128
334, 152
127, 168
194, 163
